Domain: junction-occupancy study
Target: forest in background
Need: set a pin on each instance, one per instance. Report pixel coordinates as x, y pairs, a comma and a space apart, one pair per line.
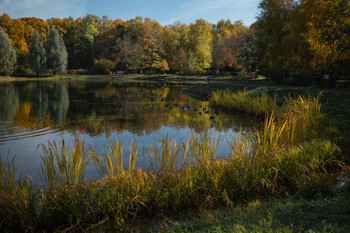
291, 40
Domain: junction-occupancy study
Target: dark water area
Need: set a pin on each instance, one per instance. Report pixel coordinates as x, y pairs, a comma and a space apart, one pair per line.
35, 112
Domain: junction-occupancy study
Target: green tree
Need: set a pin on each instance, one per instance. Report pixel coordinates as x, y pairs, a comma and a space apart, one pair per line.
69, 30
91, 30
23, 64
37, 56
85, 41
7, 54
56, 52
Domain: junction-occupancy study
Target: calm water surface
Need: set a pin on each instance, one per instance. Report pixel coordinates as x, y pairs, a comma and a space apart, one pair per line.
33, 113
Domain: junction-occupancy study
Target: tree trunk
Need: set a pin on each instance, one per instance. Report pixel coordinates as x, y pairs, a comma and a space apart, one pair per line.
151, 62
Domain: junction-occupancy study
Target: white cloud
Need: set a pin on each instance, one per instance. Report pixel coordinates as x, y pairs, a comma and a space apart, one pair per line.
43, 8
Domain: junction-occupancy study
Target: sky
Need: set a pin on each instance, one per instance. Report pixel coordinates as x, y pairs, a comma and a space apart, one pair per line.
163, 11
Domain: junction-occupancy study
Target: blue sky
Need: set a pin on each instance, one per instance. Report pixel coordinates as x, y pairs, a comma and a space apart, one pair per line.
164, 11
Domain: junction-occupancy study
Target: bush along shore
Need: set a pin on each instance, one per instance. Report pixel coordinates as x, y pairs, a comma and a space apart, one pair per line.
289, 151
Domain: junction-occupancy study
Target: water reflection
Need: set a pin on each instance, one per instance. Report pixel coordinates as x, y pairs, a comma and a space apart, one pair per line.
9, 99
32, 113
50, 102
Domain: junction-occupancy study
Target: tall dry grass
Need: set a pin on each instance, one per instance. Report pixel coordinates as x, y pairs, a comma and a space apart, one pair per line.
203, 147
166, 157
111, 162
7, 174
243, 101
63, 166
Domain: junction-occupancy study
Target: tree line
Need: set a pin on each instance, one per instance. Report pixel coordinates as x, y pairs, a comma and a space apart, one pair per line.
301, 39
51, 56
290, 39
138, 44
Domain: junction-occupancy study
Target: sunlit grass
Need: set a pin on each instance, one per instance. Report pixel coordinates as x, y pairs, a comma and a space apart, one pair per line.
166, 157
203, 147
293, 121
7, 174
61, 166
111, 162
243, 101
327, 213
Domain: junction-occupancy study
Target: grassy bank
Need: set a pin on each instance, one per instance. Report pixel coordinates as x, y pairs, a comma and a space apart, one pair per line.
290, 151
73, 77
327, 211
335, 101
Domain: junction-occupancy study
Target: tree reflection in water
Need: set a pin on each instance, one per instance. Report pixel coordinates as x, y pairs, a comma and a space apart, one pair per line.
32, 113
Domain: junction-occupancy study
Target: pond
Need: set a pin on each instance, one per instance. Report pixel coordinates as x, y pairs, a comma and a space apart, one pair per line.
35, 112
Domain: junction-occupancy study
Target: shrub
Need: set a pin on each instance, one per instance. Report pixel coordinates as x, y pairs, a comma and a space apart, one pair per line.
102, 66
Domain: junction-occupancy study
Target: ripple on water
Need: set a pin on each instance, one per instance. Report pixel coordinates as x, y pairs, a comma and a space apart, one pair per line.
18, 133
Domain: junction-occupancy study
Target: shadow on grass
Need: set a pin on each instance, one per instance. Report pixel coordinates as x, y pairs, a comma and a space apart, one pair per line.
326, 214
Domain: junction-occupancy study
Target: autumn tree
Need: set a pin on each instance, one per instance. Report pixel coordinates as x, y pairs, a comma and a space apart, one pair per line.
200, 37
170, 45
109, 32
175, 46
296, 46
151, 44
272, 32
7, 54
15, 30
163, 66
179, 61
328, 30
127, 53
249, 49
56, 52
221, 32
127, 49
37, 56
228, 45
84, 41
35, 24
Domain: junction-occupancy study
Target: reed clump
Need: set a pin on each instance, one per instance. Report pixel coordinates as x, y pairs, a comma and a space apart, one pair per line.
111, 162
7, 174
288, 123
119, 200
166, 157
203, 147
243, 101
61, 166
65, 208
